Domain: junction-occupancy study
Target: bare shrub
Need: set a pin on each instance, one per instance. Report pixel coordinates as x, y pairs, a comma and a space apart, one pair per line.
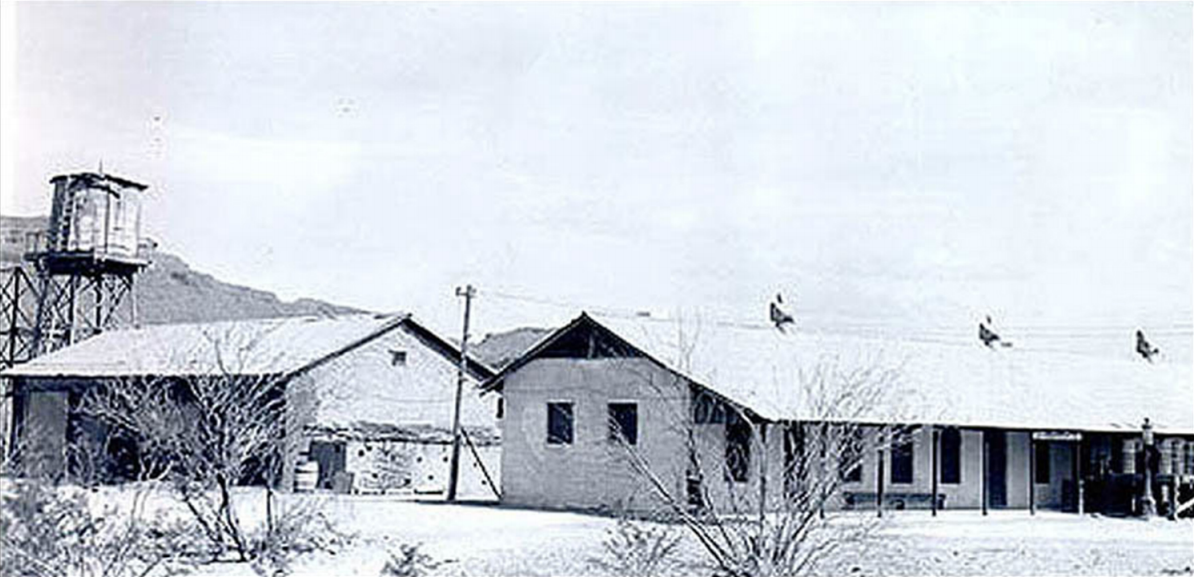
52, 531
297, 529
752, 525
410, 561
637, 548
231, 420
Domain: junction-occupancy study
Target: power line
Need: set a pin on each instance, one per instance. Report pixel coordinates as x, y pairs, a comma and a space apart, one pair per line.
936, 330
959, 336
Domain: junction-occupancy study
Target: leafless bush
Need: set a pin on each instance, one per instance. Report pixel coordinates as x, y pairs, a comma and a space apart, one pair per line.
410, 561
750, 526
52, 531
637, 548
297, 529
229, 421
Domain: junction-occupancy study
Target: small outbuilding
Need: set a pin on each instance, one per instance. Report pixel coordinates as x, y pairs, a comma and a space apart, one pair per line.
715, 407
380, 421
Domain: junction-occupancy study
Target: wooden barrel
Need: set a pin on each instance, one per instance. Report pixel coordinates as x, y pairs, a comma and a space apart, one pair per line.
306, 475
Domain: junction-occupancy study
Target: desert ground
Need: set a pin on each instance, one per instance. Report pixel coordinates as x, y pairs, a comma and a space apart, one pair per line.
485, 539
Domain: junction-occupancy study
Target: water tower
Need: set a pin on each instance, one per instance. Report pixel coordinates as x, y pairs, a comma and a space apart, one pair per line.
87, 258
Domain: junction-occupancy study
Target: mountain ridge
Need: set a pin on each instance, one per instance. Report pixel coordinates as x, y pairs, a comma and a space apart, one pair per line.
170, 291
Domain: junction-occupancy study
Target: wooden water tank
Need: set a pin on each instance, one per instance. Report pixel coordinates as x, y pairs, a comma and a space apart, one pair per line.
94, 216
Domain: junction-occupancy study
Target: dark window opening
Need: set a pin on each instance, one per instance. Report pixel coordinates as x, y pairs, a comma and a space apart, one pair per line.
901, 457
1117, 455
588, 341
849, 466
501, 407
693, 490
794, 458
707, 409
623, 422
559, 423
737, 456
1042, 462
397, 358
951, 456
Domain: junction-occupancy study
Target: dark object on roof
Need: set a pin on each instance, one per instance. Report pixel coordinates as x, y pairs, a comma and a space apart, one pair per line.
741, 365
988, 336
778, 316
1145, 349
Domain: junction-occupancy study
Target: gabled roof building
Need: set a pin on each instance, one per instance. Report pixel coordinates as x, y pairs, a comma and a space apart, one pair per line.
1004, 428
384, 384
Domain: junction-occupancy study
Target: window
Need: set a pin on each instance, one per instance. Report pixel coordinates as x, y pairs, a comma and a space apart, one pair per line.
623, 422
707, 410
794, 458
849, 466
1042, 462
901, 457
1189, 458
737, 455
559, 423
951, 456
397, 358
1131, 457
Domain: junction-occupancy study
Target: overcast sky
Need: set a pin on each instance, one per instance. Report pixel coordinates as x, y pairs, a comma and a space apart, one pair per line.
906, 168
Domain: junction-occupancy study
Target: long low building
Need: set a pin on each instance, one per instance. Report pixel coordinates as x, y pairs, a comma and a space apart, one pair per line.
380, 420
979, 427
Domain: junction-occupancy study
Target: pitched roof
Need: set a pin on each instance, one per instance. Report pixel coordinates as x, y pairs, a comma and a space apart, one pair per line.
943, 383
246, 347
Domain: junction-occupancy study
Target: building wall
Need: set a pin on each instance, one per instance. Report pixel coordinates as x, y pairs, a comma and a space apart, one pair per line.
723, 493
1018, 468
389, 467
44, 433
366, 387
593, 471
362, 386
590, 473
967, 493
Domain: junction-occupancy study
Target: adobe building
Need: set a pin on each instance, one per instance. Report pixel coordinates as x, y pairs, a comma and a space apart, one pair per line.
1005, 428
381, 418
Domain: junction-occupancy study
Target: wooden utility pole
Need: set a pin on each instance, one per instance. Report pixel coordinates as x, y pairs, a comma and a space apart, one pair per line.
468, 292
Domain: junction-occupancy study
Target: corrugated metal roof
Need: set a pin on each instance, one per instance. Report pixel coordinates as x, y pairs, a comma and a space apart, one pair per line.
937, 383
247, 347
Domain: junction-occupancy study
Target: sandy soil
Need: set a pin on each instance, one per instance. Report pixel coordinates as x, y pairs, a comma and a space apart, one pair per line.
483, 539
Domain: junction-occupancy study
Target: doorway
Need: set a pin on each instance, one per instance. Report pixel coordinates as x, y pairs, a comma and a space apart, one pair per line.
996, 443
331, 458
